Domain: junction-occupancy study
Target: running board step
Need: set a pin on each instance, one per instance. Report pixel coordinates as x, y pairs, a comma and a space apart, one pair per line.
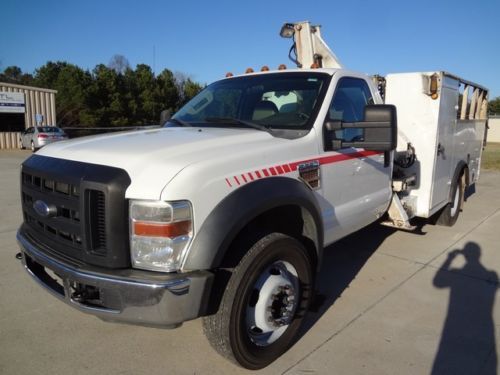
398, 218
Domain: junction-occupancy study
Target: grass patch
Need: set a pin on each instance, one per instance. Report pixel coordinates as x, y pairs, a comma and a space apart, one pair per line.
491, 157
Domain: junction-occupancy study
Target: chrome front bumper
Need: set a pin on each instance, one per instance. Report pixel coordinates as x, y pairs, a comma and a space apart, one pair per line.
128, 296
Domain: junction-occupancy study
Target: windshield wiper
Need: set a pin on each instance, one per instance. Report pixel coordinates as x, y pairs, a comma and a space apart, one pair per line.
180, 122
231, 120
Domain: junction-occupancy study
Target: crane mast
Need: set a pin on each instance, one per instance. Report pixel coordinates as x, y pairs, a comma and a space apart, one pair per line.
309, 47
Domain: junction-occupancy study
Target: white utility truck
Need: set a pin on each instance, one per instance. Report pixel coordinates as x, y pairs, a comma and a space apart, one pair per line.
224, 212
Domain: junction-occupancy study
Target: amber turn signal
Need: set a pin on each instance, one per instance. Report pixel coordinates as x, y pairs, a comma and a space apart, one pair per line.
171, 230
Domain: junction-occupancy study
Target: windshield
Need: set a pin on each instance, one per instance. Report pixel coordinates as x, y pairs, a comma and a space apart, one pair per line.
277, 101
48, 129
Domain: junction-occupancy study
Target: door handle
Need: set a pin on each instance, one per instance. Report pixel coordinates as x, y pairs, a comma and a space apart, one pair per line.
440, 149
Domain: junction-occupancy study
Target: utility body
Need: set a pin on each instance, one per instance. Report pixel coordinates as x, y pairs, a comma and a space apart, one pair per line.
224, 212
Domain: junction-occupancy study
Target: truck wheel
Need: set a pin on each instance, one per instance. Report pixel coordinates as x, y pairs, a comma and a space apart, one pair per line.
449, 215
264, 303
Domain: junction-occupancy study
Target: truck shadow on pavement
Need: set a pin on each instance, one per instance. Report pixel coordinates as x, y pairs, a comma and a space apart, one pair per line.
342, 261
467, 344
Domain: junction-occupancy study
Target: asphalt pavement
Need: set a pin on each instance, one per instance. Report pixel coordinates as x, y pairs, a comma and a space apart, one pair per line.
391, 302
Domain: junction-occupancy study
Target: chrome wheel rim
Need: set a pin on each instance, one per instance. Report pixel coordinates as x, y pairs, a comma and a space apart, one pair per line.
272, 303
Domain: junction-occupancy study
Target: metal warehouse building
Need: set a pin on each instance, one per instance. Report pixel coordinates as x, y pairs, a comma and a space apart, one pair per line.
22, 107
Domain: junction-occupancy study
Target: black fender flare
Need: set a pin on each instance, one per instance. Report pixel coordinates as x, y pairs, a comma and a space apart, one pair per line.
239, 208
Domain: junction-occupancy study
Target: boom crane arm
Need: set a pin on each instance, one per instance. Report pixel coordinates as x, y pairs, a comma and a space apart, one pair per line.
310, 48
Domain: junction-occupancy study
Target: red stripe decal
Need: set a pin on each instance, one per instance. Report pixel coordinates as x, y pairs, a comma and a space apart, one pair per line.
336, 158
286, 168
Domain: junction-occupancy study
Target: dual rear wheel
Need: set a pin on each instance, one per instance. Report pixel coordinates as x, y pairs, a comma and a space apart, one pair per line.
449, 214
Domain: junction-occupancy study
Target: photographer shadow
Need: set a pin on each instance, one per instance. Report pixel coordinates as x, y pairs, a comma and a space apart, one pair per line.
467, 344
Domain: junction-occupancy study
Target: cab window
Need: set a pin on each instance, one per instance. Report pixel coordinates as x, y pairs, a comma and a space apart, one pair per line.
348, 105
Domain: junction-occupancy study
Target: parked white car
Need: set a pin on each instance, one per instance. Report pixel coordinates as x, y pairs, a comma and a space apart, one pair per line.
36, 137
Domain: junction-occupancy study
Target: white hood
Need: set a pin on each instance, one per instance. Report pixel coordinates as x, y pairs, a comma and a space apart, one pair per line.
153, 157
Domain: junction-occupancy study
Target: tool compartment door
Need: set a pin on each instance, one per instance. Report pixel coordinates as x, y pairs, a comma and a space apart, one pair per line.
445, 160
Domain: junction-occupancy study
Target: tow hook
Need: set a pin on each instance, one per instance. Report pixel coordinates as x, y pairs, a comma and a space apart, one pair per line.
85, 293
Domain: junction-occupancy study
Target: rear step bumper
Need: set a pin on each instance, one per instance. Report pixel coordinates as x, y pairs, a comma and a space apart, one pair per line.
163, 300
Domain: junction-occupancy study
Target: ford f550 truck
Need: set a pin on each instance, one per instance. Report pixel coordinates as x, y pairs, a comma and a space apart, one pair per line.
224, 212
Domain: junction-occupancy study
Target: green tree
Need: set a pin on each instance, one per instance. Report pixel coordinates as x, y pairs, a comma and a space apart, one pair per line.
494, 106
11, 74
191, 88
104, 103
71, 83
14, 74
113, 95
167, 92
146, 86
187, 88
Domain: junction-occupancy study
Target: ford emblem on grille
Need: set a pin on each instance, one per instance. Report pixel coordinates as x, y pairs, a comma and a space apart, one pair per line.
44, 210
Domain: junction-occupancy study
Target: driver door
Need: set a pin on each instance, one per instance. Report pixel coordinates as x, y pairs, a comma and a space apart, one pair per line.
356, 185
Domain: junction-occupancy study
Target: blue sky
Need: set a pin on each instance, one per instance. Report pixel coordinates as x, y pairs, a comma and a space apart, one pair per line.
205, 39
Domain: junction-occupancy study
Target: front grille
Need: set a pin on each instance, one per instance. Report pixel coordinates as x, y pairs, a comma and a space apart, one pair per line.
77, 210
97, 221
64, 197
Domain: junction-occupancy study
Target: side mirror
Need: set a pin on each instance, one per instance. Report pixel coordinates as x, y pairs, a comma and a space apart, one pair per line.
379, 130
165, 115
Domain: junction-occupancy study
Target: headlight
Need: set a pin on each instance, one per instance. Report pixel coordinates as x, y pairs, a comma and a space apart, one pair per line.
160, 233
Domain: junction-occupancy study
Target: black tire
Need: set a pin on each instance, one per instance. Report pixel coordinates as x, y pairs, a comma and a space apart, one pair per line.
448, 216
227, 330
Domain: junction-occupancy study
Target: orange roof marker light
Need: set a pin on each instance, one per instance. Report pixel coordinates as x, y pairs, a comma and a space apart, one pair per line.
265, 68
229, 74
282, 67
314, 66
249, 70
434, 87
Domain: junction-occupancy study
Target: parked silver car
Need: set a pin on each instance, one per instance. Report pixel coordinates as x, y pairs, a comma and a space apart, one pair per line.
38, 136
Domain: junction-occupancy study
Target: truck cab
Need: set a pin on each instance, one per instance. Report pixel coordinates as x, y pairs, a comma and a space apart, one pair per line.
116, 215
